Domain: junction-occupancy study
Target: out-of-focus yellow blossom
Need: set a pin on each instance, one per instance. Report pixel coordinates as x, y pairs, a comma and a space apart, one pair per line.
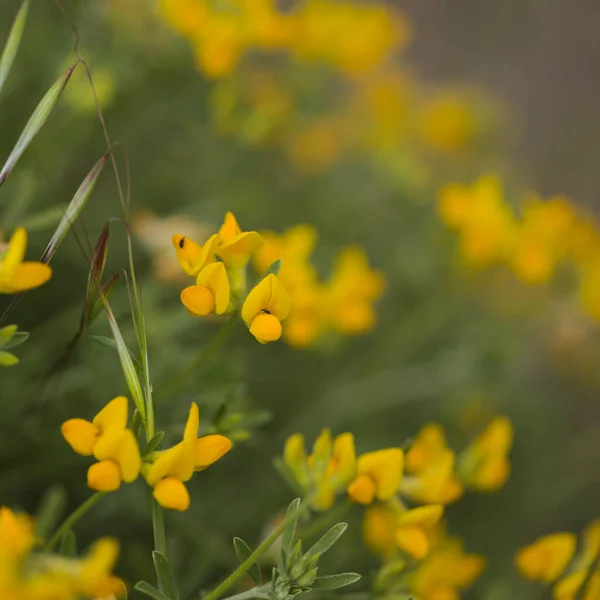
211, 292
547, 558
429, 466
324, 473
378, 529
446, 571
447, 122
171, 468
235, 247
265, 307
193, 257
110, 442
26, 575
484, 464
486, 224
17, 275
378, 475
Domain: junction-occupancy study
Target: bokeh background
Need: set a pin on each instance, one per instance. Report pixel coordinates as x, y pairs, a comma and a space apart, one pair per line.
275, 141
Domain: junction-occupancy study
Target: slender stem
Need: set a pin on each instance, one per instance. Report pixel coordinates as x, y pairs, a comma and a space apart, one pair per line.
158, 525
260, 550
73, 518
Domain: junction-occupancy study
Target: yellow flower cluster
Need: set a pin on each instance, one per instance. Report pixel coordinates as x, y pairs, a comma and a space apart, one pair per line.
219, 267
116, 449
29, 575
552, 559
17, 275
426, 475
315, 30
533, 243
342, 304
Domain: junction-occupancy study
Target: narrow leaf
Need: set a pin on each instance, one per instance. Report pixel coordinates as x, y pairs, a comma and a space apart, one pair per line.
165, 576
243, 552
17, 339
146, 588
50, 511
154, 442
68, 544
36, 121
82, 195
96, 305
13, 41
332, 582
6, 334
129, 371
7, 359
287, 537
110, 343
98, 262
136, 423
328, 540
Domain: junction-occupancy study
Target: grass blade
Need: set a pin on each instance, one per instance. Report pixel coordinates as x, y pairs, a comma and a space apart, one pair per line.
82, 195
12, 43
36, 121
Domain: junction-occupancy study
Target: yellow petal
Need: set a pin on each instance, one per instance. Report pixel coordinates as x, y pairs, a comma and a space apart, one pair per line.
198, 299
121, 447
114, 414
236, 252
362, 489
268, 295
378, 530
546, 558
322, 448
266, 328
230, 227
567, 588
384, 467
191, 256
294, 454
176, 462
413, 541
81, 435
427, 448
172, 494
26, 276
591, 543
209, 449
214, 277
344, 458
190, 433
423, 516
16, 250
104, 476
324, 497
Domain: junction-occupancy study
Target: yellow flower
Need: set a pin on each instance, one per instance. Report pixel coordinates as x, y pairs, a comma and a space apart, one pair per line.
378, 529
378, 477
107, 439
16, 275
412, 527
484, 464
325, 472
173, 467
211, 292
265, 307
546, 558
17, 536
191, 256
236, 246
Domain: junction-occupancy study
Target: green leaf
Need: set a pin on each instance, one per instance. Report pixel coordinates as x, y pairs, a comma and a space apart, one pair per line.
68, 544
82, 195
243, 552
12, 43
165, 576
136, 423
332, 582
6, 334
146, 588
154, 442
328, 540
51, 508
287, 537
17, 339
110, 343
7, 359
95, 306
36, 121
98, 263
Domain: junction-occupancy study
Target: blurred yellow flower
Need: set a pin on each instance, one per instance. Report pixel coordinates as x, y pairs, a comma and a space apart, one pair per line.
412, 528
378, 476
110, 442
16, 275
547, 558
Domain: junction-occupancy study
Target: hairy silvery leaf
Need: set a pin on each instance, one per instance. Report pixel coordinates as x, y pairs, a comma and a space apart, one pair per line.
164, 576
332, 582
287, 537
328, 540
146, 588
243, 552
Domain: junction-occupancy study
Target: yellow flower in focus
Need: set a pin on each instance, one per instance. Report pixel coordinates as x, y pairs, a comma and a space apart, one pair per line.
171, 468
211, 292
484, 464
265, 307
110, 442
191, 256
236, 246
16, 275
378, 477
546, 558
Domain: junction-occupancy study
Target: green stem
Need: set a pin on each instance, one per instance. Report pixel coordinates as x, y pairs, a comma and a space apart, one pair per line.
158, 525
73, 518
260, 550
255, 592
